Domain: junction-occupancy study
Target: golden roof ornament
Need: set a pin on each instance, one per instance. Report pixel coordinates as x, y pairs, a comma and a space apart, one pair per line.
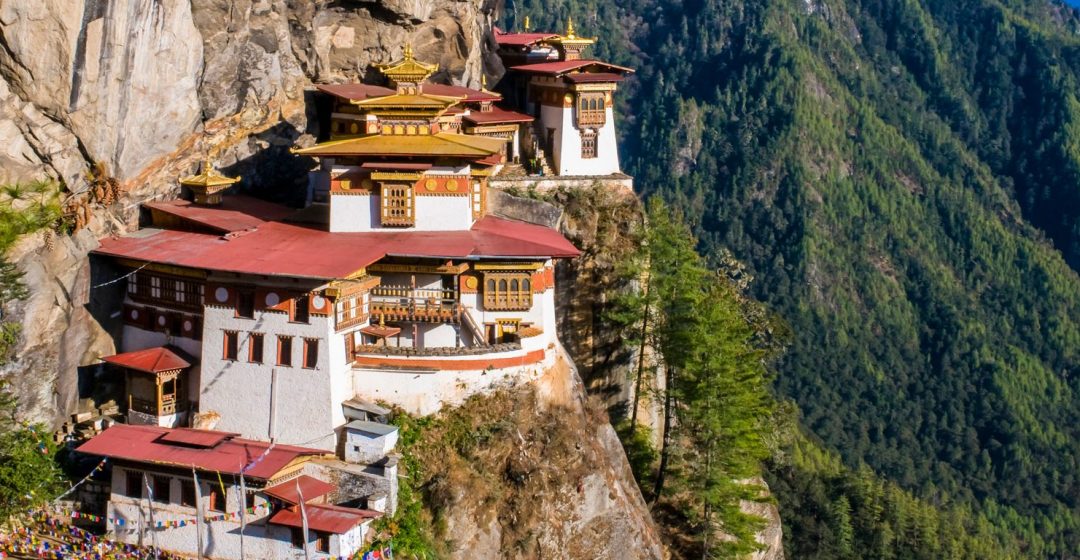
570, 27
526, 24
209, 177
208, 185
408, 70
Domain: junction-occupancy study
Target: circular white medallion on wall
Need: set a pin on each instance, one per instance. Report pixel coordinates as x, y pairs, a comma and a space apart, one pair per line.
221, 295
134, 313
318, 302
272, 299
187, 326
161, 320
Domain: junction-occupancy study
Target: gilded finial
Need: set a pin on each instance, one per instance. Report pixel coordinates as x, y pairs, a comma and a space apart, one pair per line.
526, 24
408, 51
570, 27
483, 82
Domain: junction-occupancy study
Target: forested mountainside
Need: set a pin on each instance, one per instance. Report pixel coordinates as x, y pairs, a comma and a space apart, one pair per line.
902, 178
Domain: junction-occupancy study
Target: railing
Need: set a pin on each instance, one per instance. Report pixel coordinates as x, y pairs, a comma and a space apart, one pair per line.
403, 303
407, 351
148, 406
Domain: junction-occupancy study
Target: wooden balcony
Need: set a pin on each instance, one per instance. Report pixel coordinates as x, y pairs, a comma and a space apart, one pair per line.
402, 303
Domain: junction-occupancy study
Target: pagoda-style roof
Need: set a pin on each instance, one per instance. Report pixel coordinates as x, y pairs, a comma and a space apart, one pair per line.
208, 178
424, 102
571, 38
562, 67
354, 92
408, 69
496, 116
466, 95
507, 39
150, 360
434, 145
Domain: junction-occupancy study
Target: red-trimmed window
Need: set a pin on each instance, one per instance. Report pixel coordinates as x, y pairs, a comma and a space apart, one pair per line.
245, 303
301, 312
311, 353
255, 348
231, 345
284, 351
507, 291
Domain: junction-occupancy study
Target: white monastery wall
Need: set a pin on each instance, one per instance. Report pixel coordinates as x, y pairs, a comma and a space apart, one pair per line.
442, 213
424, 392
567, 148
354, 212
295, 404
360, 212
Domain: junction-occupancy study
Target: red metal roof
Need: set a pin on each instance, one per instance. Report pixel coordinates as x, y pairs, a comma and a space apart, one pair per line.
521, 39
301, 251
560, 67
470, 95
150, 360
236, 213
310, 488
497, 116
592, 77
325, 518
196, 438
145, 444
355, 92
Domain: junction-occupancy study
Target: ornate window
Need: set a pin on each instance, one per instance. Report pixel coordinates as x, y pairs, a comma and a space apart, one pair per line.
166, 291
507, 291
351, 310
588, 144
398, 208
591, 110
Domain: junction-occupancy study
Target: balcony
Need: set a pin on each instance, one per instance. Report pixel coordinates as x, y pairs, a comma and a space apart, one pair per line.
404, 303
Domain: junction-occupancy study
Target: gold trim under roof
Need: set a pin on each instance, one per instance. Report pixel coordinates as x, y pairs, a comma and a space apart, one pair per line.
208, 178
408, 69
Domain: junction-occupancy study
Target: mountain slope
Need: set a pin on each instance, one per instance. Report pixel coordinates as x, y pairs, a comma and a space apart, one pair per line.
901, 177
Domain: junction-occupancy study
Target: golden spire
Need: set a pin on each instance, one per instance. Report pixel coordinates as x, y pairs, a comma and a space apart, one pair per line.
483, 82
570, 27
408, 51
526, 24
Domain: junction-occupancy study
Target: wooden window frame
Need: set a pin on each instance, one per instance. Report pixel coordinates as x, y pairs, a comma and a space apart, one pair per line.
310, 357
322, 541
256, 348
351, 310
177, 292
215, 501
588, 144
157, 482
508, 291
230, 346
591, 110
300, 310
245, 303
397, 205
187, 493
297, 538
135, 477
284, 341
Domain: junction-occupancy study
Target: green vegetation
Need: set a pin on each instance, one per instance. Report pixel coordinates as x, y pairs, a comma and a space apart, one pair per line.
29, 472
900, 179
716, 403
